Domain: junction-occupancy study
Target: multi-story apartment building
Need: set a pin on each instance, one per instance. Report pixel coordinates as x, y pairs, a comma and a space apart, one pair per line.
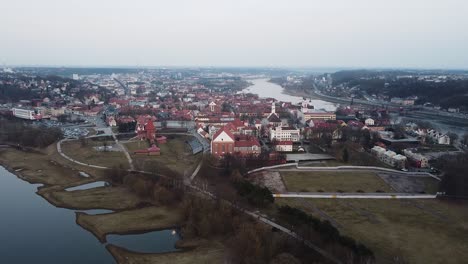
285, 134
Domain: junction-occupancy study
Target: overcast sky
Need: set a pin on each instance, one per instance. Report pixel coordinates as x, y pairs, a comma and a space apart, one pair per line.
283, 33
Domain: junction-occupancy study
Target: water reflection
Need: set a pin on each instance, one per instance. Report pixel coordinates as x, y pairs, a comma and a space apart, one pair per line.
157, 241
96, 211
264, 89
34, 231
88, 186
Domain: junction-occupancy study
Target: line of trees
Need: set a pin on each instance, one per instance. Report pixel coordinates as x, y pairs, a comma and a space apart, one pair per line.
326, 234
26, 135
455, 179
158, 190
255, 195
232, 162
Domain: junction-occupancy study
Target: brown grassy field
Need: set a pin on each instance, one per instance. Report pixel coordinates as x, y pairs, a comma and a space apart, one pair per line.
418, 231
176, 157
206, 253
137, 220
43, 167
87, 154
331, 181
112, 198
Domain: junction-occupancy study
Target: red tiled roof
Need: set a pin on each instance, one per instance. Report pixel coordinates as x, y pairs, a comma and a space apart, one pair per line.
224, 128
247, 143
285, 143
237, 123
150, 125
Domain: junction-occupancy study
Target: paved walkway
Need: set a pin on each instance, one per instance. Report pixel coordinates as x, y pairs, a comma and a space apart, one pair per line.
355, 195
296, 157
59, 150
296, 167
125, 151
197, 189
203, 142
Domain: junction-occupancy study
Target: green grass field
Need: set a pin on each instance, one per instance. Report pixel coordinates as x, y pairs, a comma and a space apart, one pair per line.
419, 231
176, 157
328, 181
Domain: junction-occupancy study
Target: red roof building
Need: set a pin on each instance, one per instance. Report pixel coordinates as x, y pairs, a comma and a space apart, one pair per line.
151, 151
225, 142
145, 128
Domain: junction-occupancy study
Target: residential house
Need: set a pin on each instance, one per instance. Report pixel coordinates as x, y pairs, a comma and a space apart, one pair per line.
417, 160
284, 146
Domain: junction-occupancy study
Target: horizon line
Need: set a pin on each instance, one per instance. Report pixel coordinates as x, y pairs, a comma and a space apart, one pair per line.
234, 67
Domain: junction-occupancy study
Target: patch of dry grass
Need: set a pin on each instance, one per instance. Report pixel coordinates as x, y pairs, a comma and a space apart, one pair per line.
88, 155
137, 220
331, 181
112, 198
176, 157
39, 167
206, 253
419, 231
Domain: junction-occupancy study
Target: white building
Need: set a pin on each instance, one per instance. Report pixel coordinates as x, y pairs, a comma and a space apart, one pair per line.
378, 151
212, 106
400, 101
284, 134
284, 146
389, 157
369, 122
25, 114
438, 137
399, 161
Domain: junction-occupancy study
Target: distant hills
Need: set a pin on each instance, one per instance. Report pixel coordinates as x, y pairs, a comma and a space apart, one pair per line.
444, 88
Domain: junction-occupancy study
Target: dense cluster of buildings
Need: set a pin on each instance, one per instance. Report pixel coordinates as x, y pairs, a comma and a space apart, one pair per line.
211, 104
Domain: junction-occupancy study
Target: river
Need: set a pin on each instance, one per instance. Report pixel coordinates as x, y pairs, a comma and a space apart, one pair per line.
264, 89
34, 231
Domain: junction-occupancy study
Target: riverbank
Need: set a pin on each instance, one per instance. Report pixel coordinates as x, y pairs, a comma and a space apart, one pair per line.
132, 214
204, 252
298, 93
130, 222
110, 198
264, 88
46, 167
42, 167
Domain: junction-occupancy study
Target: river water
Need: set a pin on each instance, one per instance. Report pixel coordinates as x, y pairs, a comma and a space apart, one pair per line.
88, 186
34, 231
264, 89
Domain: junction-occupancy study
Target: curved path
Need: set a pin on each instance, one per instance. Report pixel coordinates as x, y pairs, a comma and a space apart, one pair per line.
355, 195
59, 150
255, 215
124, 149
296, 167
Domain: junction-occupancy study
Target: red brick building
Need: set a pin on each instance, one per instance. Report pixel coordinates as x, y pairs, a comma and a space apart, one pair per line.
226, 142
223, 142
145, 129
